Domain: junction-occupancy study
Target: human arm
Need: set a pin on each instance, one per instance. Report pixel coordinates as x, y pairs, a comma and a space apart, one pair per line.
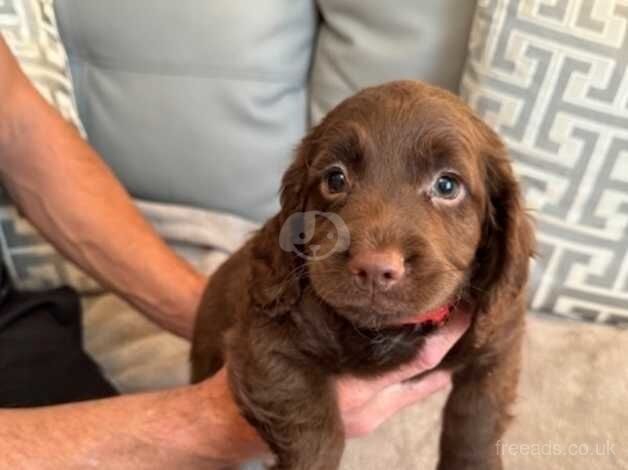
62, 186
192, 427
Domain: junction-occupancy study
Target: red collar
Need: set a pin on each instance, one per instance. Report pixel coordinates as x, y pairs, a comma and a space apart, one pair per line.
437, 316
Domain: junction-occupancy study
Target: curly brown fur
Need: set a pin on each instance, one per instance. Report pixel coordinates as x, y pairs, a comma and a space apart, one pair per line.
288, 324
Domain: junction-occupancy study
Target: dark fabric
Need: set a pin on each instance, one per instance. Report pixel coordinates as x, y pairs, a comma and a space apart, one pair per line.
42, 361
5, 286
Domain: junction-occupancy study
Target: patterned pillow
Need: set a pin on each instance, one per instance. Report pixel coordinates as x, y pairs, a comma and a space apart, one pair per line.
551, 78
29, 28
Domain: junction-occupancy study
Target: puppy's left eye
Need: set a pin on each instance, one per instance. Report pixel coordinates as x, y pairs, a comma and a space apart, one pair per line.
336, 180
446, 187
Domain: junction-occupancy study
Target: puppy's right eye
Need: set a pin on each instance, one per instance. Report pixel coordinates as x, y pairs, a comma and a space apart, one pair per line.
336, 180
447, 188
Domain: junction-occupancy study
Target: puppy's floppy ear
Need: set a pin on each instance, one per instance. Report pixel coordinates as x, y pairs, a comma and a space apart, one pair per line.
277, 270
502, 260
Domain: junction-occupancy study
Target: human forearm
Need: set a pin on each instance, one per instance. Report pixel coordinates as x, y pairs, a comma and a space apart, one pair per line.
66, 190
193, 427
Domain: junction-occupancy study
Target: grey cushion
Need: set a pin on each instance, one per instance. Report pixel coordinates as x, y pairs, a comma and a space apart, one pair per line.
367, 42
30, 30
193, 102
552, 80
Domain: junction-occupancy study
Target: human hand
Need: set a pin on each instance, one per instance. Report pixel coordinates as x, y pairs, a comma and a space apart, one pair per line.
365, 404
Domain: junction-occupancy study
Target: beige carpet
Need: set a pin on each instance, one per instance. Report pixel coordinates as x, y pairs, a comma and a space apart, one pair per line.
572, 412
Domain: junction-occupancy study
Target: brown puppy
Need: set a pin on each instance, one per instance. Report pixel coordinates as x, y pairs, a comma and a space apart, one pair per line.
401, 201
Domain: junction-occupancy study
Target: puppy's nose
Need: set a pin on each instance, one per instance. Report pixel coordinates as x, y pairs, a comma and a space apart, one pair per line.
380, 269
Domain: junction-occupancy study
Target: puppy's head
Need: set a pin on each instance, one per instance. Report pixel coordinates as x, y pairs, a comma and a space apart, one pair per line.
400, 201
